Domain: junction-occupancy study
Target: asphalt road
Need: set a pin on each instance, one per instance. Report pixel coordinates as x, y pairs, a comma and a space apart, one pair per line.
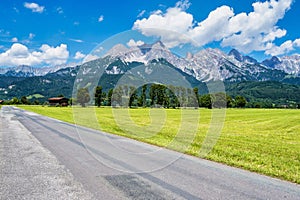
43, 158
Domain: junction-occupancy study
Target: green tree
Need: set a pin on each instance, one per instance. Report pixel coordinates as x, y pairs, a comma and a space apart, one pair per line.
152, 94
196, 92
142, 99
133, 96
98, 96
219, 100
104, 99
71, 101
167, 94
109, 96
36, 102
205, 101
24, 100
240, 101
116, 98
172, 97
83, 96
15, 101
229, 101
161, 96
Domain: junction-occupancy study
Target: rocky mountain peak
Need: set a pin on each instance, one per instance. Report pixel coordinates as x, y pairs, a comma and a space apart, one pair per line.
236, 54
272, 62
117, 50
241, 58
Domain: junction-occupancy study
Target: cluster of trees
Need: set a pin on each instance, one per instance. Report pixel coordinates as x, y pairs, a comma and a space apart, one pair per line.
157, 95
23, 100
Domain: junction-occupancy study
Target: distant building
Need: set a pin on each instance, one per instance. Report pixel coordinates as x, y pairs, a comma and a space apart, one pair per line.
1, 101
58, 101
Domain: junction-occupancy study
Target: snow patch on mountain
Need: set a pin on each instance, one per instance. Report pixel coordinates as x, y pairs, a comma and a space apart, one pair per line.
288, 64
28, 71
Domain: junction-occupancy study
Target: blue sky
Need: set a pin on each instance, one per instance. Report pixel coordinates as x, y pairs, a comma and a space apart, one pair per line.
42, 32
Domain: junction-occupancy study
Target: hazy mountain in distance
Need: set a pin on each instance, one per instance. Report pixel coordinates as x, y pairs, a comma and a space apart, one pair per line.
28, 71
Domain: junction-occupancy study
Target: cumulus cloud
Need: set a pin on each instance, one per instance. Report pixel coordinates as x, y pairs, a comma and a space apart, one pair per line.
167, 25
34, 7
214, 28
14, 39
19, 54
283, 48
253, 31
101, 18
133, 43
79, 55
297, 42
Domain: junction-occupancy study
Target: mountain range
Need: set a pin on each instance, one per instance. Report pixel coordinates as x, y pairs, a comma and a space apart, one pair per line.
213, 64
28, 71
204, 66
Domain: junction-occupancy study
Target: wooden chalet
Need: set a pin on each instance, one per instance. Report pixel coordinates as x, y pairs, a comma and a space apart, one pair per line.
58, 101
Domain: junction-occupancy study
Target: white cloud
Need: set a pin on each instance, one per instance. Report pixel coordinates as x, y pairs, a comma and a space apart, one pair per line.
253, 31
34, 7
31, 36
183, 5
297, 42
141, 13
76, 23
132, 43
257, 30
76, 40
19, 54
101, 18
14, 39
283, 48
90, 57
79, 55
16, 9
167, 25
59, 10
214, 28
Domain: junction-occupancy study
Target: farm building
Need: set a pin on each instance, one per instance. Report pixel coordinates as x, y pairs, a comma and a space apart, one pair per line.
58, 101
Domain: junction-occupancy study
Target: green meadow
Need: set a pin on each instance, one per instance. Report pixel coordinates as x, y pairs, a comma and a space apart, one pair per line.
266, 141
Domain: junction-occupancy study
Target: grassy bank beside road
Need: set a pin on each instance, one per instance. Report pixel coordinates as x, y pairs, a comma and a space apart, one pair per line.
266, 141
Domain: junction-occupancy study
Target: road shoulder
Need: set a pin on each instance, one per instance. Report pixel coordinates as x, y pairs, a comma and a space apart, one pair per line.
30, 171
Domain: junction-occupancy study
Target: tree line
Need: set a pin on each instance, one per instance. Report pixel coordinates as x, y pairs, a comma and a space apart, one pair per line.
157, 95
23, 100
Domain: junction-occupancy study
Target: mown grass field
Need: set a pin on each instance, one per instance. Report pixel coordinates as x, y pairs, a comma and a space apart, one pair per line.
266, 141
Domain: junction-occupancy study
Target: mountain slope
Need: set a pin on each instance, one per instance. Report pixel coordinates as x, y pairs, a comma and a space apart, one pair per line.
28, 71
288, 64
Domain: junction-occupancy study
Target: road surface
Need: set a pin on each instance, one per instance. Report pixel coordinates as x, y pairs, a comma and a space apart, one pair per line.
43, 158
